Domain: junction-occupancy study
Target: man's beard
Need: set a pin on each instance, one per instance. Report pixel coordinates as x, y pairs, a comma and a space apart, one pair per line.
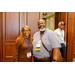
42, 29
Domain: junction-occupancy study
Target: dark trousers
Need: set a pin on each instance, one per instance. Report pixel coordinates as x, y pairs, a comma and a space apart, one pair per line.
36, 60
62, 49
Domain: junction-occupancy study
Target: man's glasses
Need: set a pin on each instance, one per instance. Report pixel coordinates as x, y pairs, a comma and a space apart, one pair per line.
41, 23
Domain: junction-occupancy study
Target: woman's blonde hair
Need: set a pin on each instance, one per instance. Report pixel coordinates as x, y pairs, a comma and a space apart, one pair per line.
21, 35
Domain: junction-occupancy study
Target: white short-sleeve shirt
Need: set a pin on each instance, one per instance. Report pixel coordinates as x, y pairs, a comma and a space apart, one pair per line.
60, 34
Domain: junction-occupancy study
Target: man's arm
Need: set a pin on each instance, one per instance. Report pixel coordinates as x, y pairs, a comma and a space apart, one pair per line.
55, 54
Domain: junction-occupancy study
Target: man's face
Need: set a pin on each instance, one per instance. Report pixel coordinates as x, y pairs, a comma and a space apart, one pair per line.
41, 25
61, 27
26, 32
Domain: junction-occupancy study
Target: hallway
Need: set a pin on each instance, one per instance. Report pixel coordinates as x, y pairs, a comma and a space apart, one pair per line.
12, 22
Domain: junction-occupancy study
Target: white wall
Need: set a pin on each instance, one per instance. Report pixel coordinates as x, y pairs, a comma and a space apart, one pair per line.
50, 22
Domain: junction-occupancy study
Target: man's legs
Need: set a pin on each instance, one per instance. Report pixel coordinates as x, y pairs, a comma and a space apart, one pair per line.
62, 49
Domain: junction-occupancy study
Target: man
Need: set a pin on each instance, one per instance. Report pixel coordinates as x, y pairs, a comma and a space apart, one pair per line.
60, 33
49, 39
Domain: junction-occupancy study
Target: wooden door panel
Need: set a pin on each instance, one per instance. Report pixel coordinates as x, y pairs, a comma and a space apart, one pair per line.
63, 16
9, 52
12, 24
33, 18
69, 47
69, 53
71, 15
71, 37
40, 15
73, 52
74, 37
9, 60
9, 49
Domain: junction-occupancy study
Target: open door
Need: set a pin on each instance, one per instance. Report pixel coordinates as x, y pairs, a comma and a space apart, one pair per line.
52, 19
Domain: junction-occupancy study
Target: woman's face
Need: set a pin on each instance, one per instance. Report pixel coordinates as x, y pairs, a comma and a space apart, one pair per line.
26, 32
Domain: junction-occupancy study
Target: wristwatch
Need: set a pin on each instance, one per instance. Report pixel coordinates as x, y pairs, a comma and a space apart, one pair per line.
54, 60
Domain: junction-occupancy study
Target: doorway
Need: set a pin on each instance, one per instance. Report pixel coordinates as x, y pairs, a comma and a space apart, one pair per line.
52, 19
49, 18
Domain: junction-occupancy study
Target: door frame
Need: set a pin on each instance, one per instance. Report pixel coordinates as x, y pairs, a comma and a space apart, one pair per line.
62, 16
67, 16
1, 38
70, 36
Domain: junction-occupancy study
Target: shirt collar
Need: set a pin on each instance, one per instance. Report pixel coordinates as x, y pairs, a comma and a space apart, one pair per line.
60, 29
45, 31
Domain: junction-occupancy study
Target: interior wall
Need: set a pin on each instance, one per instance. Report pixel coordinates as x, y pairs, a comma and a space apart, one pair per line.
50, 22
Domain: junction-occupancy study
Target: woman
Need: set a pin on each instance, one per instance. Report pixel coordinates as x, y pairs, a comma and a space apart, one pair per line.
23, 46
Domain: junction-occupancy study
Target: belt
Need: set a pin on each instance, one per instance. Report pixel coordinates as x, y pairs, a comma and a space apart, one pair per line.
42, 58
61, 43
